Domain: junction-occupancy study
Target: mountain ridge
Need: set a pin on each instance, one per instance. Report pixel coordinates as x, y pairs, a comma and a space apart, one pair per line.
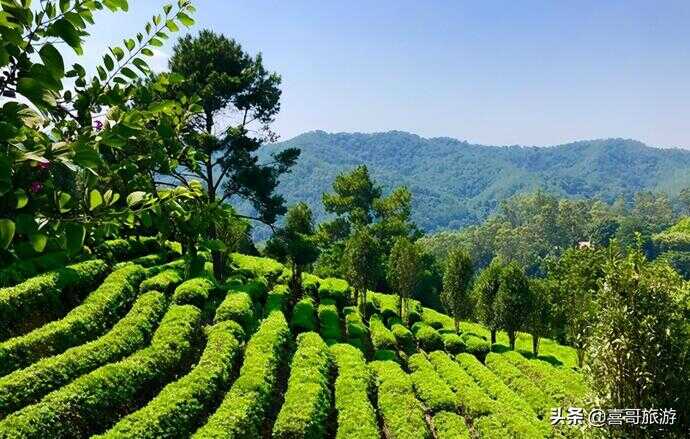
456, 183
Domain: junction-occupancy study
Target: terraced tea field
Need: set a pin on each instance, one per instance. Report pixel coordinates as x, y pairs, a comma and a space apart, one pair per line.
133, 350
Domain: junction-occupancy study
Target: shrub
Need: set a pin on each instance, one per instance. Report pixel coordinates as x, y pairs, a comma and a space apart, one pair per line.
151, 262
121, 249
241, 413
172, 413
310, 284
97, 398
470, 397
27, 386
23, 269
256, 288
402, 414
520, 384
193, 292
404, 338
453, 343
388, 304
238, 307
330, 324
491, 427
259, 267
335, 289
493, 385
428, 338
386, 355
436, 319
42, 298
372, 305
450, 426
277, 299
429, 386
303, 316
308, 397
356, 415
381, 337
476, 346
165, 282
100, 310
356, 331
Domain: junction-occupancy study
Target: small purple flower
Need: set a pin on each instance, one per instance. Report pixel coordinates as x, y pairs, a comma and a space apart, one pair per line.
43, 165
98, 125
36, 187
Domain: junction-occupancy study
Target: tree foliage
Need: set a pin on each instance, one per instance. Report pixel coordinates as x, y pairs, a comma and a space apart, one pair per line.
514, 301
361, 264
457, 279
403, 271
485, 290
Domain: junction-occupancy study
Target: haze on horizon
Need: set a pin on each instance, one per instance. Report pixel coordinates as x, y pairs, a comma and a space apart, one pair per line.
532, 73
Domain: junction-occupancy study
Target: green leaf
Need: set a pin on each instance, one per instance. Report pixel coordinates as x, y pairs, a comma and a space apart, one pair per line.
52, 60
108, 60
146, 51
155, 42
5, 178
64, 5
135, 198
130, 44
22, 198
63, 199
26, 224
62, 28
185, 19
86, 156
38, 241
118, 52
128, 73
95, 199
172, 27
6, 232
75, 234
167, 8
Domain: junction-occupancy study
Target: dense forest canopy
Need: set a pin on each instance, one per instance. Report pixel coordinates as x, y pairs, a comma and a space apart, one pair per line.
456, 183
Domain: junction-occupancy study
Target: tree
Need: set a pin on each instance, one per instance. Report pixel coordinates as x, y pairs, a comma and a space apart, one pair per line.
540, 316
574, 279
56, 172
357, 202
404, 269
639, 354
361, 264
457, 279
239, 100
485, 291
514, 301
294, 243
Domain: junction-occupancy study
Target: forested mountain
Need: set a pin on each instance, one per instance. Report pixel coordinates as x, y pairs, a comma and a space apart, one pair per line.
455, 183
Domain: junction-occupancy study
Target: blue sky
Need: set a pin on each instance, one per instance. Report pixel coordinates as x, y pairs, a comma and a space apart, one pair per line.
491, 72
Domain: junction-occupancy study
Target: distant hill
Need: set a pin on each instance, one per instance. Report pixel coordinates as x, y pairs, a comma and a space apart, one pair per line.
455, 183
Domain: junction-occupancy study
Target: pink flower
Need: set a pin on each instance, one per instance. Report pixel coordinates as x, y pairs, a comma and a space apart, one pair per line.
36, 187
43, 165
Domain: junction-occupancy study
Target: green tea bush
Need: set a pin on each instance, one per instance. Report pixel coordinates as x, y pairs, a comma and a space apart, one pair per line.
470, 397
310, 285
329, 322
258, 266
165, 282
304, 316
41, 298
237, 307
372, 305
388, 304
453, 343
450, 426
540, 402
277, 299
256, 288
429, 386
386, 355
428, 339
99, 311
404, 338
24, 269
27, 386
402, 414
493, 385
476, 346
152, 262
336, 289
121, 249
491, 427
97, 398
242, 411
308, 397
436, 319
356, 415
173, 413
193, 292
381, 337
355, 329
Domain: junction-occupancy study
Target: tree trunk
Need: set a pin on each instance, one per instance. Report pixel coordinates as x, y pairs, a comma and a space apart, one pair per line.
296, 282
457, 324
580, 357
535, 345
511, 339
493, 336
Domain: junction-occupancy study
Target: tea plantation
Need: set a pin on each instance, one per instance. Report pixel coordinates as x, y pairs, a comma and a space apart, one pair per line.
132, 349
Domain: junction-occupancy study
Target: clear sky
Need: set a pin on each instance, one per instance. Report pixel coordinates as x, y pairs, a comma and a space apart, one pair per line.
491, 72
